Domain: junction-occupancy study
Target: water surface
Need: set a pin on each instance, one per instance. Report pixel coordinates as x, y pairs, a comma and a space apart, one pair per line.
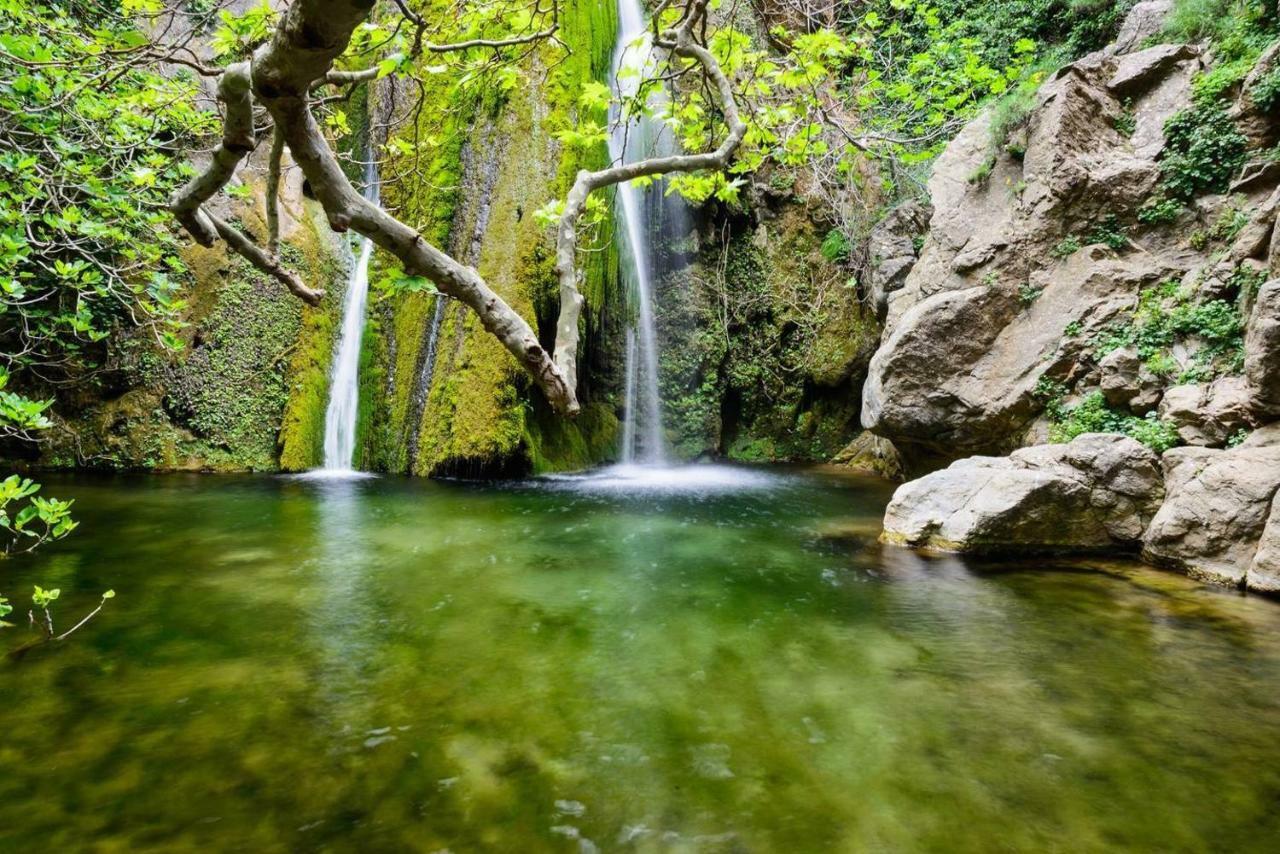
570, 665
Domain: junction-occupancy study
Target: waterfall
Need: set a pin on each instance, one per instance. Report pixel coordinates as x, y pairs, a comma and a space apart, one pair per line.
629, 141
344, 388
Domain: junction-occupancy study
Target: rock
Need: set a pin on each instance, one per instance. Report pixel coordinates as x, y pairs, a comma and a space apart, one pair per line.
995, 303
959, 370
871, 454
1209, 415
1128, 383
1144, 21
1257, 174
1264, 571
1262, 351
1136, 72
1257, 124
892, 251
1099, 492
1217, 505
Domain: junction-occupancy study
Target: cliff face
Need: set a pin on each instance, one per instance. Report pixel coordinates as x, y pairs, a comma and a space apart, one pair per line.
1097, 265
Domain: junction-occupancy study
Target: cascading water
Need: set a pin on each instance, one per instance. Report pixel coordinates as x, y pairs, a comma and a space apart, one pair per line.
629, 141
344, 389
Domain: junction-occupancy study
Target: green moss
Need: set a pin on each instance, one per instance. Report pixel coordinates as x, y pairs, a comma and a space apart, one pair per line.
301, 441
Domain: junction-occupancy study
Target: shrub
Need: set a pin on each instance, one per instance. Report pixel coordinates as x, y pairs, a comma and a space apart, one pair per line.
1093, 415
1069, 245
1203, 150
1265, 93
1109, 233
1159, 210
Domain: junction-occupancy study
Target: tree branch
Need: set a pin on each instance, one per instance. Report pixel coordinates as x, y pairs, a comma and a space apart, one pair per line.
237, 141
269, 264
681, 42
311, 35
273, 193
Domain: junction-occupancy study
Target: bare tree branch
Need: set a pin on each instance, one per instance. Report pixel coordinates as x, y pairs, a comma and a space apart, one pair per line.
273, 193
237, 141
269, 264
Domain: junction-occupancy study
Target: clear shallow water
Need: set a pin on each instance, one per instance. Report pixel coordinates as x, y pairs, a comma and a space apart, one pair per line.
385, 665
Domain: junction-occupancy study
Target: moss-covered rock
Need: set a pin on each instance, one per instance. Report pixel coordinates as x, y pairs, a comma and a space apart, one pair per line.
764, 344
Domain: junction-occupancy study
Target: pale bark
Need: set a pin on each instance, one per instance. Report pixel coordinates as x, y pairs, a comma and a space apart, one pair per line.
269, 264
273, 193
237, 141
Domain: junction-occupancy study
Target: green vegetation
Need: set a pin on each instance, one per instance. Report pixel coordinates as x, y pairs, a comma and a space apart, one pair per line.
1203, 151
85, 241
1066, 247
1093, 415
1109, 233
835, 247
1160, 211
1165, 315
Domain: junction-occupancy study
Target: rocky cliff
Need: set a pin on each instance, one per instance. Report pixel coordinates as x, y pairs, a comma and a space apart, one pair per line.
1103, 262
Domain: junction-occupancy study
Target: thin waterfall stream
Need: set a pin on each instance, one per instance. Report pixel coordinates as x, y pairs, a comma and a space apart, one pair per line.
643, 440
341, 416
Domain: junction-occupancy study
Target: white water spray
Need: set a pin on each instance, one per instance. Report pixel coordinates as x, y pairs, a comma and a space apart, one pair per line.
344, 389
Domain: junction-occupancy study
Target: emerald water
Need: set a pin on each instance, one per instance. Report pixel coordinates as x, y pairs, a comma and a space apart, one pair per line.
727, 664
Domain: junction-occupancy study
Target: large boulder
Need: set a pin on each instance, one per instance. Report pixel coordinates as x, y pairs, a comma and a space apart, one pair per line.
1098, 492
1209, 414
1217, 506
1144, 21
1264, 571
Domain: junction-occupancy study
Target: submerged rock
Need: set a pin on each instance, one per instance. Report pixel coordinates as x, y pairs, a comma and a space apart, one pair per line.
1218, 505
871, 454
1096, 493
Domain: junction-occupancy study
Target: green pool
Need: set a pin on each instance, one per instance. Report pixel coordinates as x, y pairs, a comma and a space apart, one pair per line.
722, 661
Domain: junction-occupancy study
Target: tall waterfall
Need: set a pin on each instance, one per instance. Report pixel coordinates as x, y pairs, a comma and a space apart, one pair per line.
344, 388
642, 429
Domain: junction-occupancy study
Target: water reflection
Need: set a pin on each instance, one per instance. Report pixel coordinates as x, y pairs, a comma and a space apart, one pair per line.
396, 665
